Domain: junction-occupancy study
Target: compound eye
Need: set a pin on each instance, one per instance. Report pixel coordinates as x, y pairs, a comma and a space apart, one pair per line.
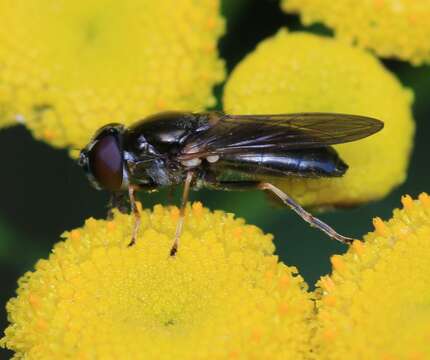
105, 160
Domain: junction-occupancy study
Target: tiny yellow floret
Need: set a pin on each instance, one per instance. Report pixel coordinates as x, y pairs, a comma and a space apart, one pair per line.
358, 247
380, 227
391, 28
425, 199
337, 263
377, 304
407, 202
310, 73
69, 67
220, 297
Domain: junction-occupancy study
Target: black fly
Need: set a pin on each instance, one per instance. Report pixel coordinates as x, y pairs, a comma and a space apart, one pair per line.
220, 151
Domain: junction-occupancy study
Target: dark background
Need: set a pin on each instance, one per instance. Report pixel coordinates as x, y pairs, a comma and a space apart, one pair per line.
43, 192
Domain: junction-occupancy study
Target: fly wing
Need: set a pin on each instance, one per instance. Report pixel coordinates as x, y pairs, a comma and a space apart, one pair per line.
252, 133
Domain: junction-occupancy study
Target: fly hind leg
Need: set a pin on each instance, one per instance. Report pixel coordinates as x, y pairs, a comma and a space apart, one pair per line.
309, 218
287, 200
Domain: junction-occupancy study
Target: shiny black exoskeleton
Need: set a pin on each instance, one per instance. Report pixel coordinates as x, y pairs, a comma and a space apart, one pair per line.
222, 151
161, 149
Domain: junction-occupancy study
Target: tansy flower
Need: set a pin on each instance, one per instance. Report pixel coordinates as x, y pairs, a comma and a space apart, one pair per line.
68, 67
224, 296
391, 28
296, 72
375, 304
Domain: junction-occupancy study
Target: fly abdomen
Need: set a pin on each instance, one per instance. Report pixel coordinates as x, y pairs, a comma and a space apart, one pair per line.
316, 162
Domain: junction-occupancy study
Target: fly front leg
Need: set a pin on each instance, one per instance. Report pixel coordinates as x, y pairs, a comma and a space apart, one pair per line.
309, 218
180, 223
118, 200
136, 213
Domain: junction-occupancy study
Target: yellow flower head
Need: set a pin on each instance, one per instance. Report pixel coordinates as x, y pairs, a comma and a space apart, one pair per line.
375, 305
391, 28
5, 119
224, 295
69, 67
299, 72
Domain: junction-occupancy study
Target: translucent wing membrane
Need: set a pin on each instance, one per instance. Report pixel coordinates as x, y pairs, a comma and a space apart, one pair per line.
250, 133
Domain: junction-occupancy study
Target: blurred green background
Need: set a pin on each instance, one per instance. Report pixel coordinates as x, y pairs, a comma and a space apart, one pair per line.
43, 192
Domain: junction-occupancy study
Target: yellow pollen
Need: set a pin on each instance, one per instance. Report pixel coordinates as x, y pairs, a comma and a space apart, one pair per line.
160, 104
388, 357
238, 232
33, 300
41, 325
424, 198
416, 356
269, 275
233, 354
110, 225
338, 263
197, 208
358, 247
283, 309
174, 213
256, 335
65, 292
327, 283
329, 300
210, 24
48, 135
75, 234
407, 202
284, 281
329, 334
380, 226
378, 3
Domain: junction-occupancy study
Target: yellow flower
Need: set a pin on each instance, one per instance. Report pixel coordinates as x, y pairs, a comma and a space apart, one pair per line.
375, 305
68, 67
391, 28
224, 296
295, 72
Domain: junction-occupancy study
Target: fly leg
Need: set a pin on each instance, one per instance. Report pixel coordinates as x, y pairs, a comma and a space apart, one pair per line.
309, 218
118, 200
180, 223
136, 213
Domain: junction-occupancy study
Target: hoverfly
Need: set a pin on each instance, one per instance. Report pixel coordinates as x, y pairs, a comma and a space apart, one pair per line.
220, 151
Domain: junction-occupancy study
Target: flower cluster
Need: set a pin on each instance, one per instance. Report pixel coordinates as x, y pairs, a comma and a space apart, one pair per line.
314, 73
375, 304
223, 296
69, 67
391, 28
